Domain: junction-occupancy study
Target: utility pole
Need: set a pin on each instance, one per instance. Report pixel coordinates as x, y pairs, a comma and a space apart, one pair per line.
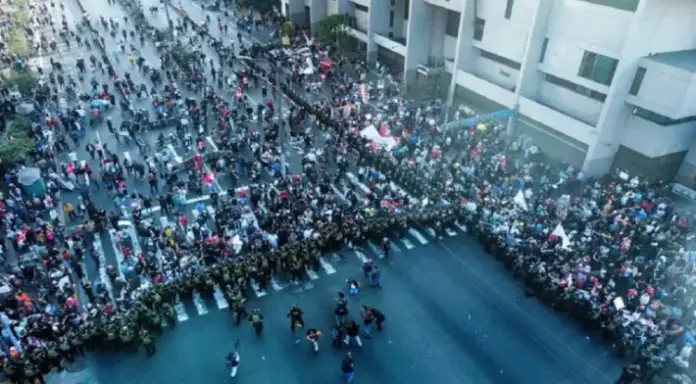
283, 134
170, 24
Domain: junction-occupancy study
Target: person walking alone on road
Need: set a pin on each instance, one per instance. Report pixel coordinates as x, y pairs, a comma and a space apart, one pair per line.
348, 369
256, 320
353, 333
295, 316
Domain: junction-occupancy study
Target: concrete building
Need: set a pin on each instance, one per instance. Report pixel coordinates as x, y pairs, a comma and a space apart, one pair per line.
600, 83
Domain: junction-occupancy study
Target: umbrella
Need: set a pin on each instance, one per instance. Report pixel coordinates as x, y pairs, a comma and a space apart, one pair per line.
97, 103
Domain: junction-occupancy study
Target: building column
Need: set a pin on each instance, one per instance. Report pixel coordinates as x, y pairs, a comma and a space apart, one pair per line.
530, 78
418, 39
600, 154
464, 51
378, 22
438, 27
317, 12
399, 20
296, 12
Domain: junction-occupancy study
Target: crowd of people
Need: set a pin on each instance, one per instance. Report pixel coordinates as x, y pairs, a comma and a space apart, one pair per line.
611, 251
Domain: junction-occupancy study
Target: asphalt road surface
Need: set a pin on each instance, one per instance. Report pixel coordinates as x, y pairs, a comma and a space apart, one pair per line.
453, 314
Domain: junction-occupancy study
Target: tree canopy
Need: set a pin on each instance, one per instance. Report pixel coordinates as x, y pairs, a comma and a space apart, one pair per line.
183, 57
331, 31
20, 21
23, 81
16, 143
261, 6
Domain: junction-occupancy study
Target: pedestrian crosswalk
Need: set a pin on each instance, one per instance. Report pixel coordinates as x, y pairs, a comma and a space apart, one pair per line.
199, 306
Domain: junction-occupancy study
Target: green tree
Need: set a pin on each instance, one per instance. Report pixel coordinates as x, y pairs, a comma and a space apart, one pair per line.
183, 57
261, 6
331, 31
20, 21
23, 81
16, 143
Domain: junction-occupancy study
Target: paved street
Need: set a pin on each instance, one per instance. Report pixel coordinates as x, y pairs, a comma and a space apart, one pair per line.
453, 313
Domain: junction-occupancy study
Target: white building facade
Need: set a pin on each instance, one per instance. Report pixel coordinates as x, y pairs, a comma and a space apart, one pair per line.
602, 84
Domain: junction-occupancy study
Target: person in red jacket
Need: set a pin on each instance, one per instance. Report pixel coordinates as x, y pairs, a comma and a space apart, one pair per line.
183, 221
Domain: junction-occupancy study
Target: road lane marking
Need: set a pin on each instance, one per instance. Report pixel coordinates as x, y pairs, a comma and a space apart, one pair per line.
177, 158
200, 305
360, 256
328, 268
276, 285
212, 143
312, 275
181, 314
257, 289
408, 243
418, 236
220, 298
394, 246
431, 232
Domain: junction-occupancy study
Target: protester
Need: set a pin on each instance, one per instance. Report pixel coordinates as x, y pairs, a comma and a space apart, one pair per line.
613, 252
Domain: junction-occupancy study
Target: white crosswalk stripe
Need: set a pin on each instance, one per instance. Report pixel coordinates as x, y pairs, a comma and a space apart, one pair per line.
393, 246
414, 239
312, 275
181, 314
431, 232
257, 289
176, 156
375, 249
200, 304
418, 236
407, 243
328, 268
220, 299
276, 285
361, 256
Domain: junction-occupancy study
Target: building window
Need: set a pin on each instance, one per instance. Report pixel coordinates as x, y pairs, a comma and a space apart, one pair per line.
544, 45
360, 7
452, 28
501, 60
577, 88
659, 119
407, 7
624, 5
598, 68
637, 81
479, 26
508, 8
391, 19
